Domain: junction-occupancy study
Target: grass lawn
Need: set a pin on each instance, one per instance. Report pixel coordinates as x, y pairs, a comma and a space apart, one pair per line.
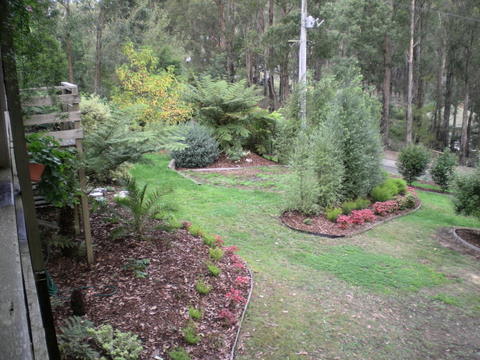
391, 293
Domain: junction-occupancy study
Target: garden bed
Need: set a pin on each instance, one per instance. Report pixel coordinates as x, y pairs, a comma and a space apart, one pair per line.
154, 304
249, 160
321, 226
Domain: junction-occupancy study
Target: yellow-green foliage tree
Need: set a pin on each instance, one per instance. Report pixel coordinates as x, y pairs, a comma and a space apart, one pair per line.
158, 93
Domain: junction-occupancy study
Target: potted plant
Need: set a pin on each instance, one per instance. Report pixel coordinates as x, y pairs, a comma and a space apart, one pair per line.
36, 170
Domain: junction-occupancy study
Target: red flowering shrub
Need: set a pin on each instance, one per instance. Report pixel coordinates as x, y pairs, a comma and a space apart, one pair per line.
234, 258
411, 190
231, 249
235, 296
218, 240
227, 315
361, 216
238, 265
241, 280
344, 221
385, 207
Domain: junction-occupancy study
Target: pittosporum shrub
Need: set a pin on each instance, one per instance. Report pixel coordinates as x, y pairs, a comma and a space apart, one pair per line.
304, 190
407, 202
443, 169
202, 148
467, 194
413, 162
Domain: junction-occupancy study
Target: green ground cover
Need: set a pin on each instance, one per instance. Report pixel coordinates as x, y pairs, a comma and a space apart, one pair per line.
393, 292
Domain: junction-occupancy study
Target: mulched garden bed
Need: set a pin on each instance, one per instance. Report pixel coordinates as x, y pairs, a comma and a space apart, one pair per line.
321, 226
249, 160
155, 307
471, 236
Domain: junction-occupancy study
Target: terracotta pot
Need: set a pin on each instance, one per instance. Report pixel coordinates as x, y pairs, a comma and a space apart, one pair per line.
36, 171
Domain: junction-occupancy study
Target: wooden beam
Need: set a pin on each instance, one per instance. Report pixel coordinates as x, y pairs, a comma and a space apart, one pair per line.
67, 137
52, 118
52, 100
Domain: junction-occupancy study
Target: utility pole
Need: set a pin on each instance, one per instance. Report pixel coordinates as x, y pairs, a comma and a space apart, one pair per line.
410, 76
302, 66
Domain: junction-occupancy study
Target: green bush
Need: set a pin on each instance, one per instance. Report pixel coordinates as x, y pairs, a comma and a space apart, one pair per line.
333, 214
202, 287
202, 148
413, 162
190, 334
195, 314
117, 344
94, 112
358, 204
231, 110
215, 253
141, 206
407, 202
196, 230
443, 169
209, 240
213, 269
303, 189
384, 192
400, 184
179, 353
467, 194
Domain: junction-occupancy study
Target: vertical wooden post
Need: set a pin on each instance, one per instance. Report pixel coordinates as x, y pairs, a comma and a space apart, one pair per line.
85, 212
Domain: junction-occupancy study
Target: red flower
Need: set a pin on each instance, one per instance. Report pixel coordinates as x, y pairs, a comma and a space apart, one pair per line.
231, 249
385, 207
238, 265
219, 240
227, 315
235, 296
241, 280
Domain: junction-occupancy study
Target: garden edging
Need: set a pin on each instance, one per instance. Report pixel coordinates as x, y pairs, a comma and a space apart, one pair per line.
240, 323
463, 242
356, 232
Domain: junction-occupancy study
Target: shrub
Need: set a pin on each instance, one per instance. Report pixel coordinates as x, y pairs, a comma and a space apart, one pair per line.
407, 202
117, 344
95, 112
344, 221
209, 240
443, 169
467, 194
412, 162
138, 266
358, 204
385, 191
235, 296
361, 216
72, 340
195, 230
190, 334
213, 270
333, 214
228, 316
386, 207
400, 184
179, 353
215, 253
303, 186
202, 287
195, 314
202, 148
230, 109
141, 206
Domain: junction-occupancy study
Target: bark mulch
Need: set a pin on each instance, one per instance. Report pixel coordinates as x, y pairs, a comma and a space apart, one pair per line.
249, 160
469, 235
156, 307
320, 225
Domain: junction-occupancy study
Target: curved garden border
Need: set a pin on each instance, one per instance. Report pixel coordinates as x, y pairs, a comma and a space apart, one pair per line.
356, 232
240, 323
463, 242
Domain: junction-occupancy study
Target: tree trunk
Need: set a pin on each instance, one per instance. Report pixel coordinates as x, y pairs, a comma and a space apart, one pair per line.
272, 96
410, 77
454, 127
98, 50
448, 104
387, 82
439, 91
466, 102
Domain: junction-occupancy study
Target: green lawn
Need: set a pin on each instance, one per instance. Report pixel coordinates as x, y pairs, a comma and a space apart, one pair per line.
393, 292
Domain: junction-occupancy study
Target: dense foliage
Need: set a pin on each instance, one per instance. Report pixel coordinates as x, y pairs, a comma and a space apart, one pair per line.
467, 194
443, 169
201, 150
413, 162
59, 181
231, 110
